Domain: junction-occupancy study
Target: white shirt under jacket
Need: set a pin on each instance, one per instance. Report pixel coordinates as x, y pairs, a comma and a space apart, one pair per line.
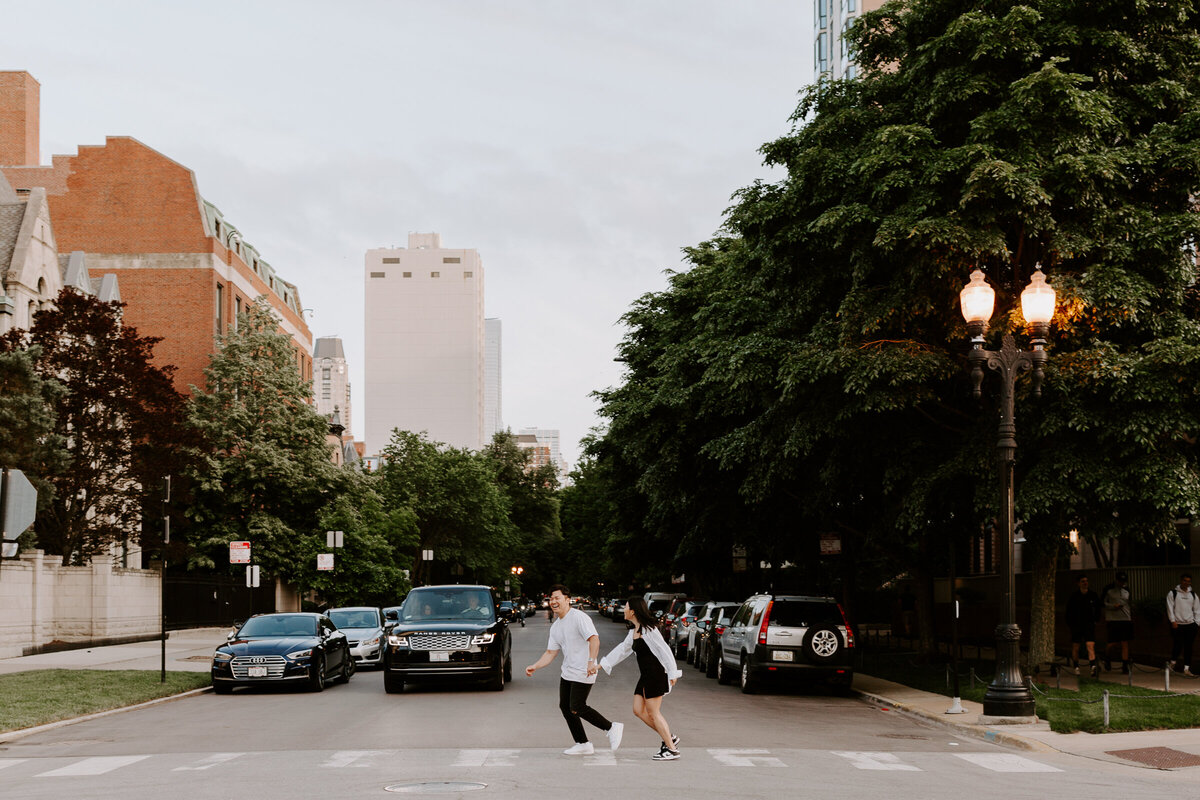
657, 645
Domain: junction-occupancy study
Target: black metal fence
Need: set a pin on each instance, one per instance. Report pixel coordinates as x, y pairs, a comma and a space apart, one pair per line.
203, 601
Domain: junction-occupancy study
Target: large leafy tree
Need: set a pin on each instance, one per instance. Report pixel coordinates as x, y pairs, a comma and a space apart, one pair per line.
813, 357
461, 512
263, 473
119, 421
533, 504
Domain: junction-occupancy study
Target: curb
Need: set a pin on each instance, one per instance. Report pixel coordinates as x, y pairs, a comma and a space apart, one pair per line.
989, 734
8, 736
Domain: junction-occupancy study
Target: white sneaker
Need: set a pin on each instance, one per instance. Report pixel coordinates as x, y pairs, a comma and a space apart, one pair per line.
614, 735
665, 754
581, 749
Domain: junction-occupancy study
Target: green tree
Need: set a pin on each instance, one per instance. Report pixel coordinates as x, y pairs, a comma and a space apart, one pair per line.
263, 473
812, 361
461, 512
119, 419
533, 504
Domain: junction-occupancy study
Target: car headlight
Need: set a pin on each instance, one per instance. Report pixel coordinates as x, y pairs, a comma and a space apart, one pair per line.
483, 638
300, 654
369, 642
398, 641
222, 657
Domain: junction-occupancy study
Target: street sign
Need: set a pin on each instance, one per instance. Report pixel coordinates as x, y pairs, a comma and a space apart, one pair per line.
20, 504
333, 539
252, 578
324, 561
239, 552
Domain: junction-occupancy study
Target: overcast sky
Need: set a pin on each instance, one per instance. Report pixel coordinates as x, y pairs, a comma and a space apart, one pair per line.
578, 146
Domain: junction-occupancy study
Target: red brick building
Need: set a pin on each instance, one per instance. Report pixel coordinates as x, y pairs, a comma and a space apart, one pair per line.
184, 271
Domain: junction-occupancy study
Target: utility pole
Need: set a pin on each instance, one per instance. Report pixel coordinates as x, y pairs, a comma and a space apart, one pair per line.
162, 574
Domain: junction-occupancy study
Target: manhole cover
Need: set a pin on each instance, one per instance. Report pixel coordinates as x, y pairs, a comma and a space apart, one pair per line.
434, 787
1158, 757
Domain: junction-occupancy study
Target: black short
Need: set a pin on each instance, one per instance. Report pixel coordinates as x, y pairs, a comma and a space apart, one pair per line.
1120, 630
652, 686
1083, 633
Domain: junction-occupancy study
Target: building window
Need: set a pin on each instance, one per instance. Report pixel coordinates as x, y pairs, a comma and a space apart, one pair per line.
822, 14
822, 52
468, 274
435, 274
378, 274
852, 6
326, 373
220, 308
407, 274
391, 261
452, 260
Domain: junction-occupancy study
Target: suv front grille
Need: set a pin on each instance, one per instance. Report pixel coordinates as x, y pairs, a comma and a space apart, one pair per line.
274, 664
439, 641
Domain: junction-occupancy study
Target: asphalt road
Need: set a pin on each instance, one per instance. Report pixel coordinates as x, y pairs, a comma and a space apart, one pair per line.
356, 741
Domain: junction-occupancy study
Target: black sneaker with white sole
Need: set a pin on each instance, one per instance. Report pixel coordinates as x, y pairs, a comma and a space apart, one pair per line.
666, 754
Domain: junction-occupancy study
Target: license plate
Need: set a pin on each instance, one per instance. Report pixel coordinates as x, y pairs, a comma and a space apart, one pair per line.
257, 672
781, 655
439, 655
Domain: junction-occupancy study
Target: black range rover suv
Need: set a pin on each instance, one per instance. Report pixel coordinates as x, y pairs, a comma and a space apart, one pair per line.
447, 633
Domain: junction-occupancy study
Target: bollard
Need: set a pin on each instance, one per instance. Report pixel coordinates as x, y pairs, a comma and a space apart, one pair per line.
1106, 708
1167, 679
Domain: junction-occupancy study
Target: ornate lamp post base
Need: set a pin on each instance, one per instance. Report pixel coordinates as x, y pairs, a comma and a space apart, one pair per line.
1008, 699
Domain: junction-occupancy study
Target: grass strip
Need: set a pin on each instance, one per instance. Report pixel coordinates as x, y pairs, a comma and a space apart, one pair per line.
1131, 708
37, 697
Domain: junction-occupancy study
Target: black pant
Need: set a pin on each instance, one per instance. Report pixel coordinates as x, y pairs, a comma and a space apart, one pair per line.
1182, 638
572, 701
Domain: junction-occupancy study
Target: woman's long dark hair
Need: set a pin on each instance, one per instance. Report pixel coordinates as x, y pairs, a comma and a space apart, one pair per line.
641, 614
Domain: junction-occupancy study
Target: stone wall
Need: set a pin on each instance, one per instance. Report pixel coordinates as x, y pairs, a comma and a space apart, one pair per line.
44, 603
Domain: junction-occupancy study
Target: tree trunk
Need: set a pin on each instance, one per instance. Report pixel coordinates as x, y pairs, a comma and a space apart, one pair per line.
1041, 611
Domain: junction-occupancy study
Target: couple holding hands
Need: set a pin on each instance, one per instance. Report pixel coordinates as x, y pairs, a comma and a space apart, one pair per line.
574, 635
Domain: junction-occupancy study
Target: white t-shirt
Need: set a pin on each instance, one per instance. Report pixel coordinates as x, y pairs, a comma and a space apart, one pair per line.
569, 635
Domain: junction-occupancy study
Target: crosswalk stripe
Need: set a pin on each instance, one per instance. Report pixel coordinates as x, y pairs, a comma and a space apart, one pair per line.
1006, 762
884, 761
486, 758
93, 766
742, 757
210, 762
9, 762
348, 758
601, 758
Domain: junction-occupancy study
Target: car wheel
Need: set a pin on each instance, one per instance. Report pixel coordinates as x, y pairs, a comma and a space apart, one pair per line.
508, 670
749, 682
822, 643
723, 676
393, 684
222, 688
710, 666
316, 675
347, 669
496, 684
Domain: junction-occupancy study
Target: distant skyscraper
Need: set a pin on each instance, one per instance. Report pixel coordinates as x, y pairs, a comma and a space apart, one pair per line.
548, 437
331, 379
493, 385
832, 57
424, 343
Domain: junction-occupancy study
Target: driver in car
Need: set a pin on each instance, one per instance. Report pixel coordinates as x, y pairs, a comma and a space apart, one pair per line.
473, 608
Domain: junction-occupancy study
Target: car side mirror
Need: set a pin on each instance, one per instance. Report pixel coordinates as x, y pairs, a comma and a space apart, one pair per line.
392, 615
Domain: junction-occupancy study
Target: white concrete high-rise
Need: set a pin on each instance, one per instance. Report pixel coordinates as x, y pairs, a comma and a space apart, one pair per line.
424, 343
331, 379
832, 56
493, 385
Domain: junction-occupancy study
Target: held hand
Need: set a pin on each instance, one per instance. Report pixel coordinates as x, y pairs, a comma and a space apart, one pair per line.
530, 670
592, 669
673, 681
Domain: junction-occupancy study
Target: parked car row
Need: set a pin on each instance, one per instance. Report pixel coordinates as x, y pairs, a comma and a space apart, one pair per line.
439, 633
765, 638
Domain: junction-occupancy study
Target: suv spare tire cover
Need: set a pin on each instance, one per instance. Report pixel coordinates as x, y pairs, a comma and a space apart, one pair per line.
822, 642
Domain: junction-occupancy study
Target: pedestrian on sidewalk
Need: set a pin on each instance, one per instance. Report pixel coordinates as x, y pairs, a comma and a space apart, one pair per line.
1183, 609
1118, 621
575, 636
1083, 609
658, 673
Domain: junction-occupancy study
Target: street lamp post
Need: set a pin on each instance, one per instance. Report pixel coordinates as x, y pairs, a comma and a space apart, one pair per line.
1007, 696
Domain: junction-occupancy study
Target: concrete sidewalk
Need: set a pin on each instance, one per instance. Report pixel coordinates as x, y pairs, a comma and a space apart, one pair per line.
1163, 749
187, 651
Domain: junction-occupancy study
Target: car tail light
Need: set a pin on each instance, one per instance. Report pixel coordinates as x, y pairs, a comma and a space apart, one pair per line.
719, 630
762, 629
846, 622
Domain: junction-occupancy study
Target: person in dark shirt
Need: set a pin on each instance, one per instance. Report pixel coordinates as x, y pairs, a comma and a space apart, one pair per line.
1083, 609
